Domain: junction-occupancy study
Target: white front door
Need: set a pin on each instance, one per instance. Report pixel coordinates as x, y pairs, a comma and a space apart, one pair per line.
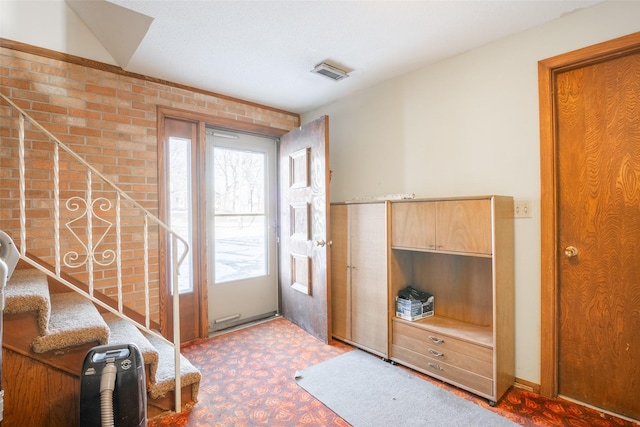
241, 227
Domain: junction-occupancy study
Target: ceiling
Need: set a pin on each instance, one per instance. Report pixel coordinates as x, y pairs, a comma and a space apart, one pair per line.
261, 50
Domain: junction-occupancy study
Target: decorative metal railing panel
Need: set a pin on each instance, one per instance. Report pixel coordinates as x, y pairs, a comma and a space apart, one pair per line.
74, 222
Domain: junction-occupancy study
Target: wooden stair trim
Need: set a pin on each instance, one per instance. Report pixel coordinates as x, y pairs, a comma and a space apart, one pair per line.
48, 396
18, 333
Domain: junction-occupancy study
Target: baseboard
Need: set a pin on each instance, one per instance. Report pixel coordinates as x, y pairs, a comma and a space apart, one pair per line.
527, 385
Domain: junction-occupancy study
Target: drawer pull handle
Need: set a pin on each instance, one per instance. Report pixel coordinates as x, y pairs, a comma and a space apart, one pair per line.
436, 340
436, 353
435, 366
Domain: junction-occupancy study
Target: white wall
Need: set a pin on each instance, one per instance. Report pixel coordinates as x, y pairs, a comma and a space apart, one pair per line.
468, 125
50, 24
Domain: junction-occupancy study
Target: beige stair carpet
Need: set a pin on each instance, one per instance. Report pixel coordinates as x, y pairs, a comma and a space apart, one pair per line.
165, 377
74, 321
125, 332
28, 291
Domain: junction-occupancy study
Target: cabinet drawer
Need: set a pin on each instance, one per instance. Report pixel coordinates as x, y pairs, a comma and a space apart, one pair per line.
445, 349
444, 371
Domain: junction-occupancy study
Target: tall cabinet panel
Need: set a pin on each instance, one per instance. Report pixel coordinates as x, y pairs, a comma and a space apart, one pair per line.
340, 296
359, 275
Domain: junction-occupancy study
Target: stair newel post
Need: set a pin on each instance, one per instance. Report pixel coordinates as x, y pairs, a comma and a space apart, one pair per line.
176, 320
89, 233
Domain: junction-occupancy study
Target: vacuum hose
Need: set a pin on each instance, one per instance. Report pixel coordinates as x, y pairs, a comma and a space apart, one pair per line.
107, 385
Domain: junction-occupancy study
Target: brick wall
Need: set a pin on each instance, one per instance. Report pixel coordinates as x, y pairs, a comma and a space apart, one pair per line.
108, 118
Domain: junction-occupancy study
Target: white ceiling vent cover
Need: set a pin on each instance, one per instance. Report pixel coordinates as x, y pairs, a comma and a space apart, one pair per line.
330, 71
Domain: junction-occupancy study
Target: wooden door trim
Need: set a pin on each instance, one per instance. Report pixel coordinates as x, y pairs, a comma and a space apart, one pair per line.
200, 121
547, 71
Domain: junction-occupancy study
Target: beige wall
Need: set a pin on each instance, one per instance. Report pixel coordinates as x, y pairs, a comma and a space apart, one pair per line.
468, 125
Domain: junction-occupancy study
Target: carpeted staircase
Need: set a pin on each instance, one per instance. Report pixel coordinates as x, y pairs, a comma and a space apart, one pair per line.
69, 320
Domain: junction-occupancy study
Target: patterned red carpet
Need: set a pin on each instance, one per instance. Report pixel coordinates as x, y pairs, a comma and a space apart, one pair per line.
248, 380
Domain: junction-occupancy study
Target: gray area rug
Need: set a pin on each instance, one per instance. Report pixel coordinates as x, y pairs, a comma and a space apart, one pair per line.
367, 391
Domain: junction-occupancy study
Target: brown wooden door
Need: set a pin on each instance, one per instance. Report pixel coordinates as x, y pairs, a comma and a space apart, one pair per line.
598, 155
304, 209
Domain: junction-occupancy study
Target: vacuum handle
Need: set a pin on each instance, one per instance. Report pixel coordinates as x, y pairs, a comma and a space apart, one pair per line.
9, 255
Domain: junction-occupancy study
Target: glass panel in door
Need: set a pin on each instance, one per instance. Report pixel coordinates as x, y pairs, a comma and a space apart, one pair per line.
180, 204
241, 217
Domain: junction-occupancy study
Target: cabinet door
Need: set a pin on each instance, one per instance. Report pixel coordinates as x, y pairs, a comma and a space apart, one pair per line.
368, 265
340, 311
464, 226
413, 225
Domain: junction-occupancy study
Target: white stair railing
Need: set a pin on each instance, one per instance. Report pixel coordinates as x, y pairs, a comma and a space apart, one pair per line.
84, 220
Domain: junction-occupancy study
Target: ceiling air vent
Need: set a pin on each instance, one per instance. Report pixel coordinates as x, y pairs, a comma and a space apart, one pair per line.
329, 71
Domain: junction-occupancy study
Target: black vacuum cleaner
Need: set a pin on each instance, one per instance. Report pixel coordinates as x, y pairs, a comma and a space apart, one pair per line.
113, 390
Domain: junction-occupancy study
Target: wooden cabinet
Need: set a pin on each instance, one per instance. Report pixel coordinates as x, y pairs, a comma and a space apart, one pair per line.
359, 292
460, 251
444, 225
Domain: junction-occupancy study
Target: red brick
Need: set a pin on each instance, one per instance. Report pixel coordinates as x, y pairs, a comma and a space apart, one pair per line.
118, 136
144, 123
101, 124
131, 112
171, 97
88, 114
144, 90
100, 160
118, 118
48, 69
66, 83
74, 101
20, 94
74, 130
101, 107
49, 108
130, 96
14, 61
102, 90
17, 83
40, 117
143, 106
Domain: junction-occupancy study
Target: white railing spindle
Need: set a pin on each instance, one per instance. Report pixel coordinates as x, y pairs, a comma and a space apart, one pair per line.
23, 209
56, 206
89, 212
146, 269
176, 317
119, 253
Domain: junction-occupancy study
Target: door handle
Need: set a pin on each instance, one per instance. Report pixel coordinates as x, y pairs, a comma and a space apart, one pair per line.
320, 243
571, 251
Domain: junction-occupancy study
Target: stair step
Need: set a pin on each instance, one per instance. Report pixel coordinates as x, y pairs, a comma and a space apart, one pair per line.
165, 377
74, 321
125, 332
27, 291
